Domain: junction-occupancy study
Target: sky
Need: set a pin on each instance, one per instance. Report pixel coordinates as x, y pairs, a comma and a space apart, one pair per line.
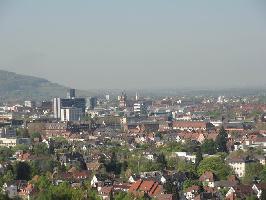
113, 44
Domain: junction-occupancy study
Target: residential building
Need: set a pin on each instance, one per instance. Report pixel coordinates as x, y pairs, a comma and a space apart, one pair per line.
239, 164
191, 192
8, 142
150, 188
207, 179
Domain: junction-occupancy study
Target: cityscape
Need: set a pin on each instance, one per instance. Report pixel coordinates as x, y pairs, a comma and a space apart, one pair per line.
138, 147
132, 100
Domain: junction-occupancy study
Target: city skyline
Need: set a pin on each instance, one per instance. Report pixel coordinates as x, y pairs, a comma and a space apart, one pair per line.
150, 44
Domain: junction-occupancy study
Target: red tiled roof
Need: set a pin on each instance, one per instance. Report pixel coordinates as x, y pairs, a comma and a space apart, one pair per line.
135, 186
106, 190
193, 188
207, 175
190, 124
150, 187
146, 186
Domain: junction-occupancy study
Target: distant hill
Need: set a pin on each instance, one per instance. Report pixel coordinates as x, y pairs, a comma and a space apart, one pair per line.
16, 87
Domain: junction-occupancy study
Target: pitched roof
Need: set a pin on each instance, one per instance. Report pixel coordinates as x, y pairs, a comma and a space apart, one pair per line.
146, 186
190, 124
261, 186
150, 187
135, 186
193, 188
243, 190
208, 175
106, 190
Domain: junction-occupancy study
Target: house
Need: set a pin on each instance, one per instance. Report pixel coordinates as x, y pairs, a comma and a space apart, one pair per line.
99, 181
258, 188
21, 156
152, 174
186, 156
121, 187
172, 137
177, 178
257, 142
193, 136
106, 192
191, 192
207, 196
133, 178
145, 187
238, 164
239, 192
234, 126
26, 192
192, 125
207, 179
150, 157
231, 181
8, 142
80, 175
11, 190
261, 159
93, 166
68, 158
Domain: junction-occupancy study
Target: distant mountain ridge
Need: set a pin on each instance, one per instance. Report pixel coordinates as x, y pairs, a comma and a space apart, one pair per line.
16, 87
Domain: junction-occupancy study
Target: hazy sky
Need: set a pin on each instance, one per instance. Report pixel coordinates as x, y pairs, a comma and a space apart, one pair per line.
136, 44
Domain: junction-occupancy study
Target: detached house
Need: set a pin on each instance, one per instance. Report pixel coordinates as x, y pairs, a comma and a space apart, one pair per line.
106, 192
239, 192
207, 179
239, 165
192, 192
258, 188
99, 181
26, 192
11, 190
143, 187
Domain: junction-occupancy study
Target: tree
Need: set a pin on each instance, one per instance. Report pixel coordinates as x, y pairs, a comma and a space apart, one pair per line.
192, 146
184, 166
5, 153
62, 192
199, 157
40, 149
114, 166
35, 135
209, 147
42, 183
188, 183
263, 194
162, 161
252, 197
126, 196
22, 171
216, 165
7, 177
22, 132
4, 197
21, 147
171, 188
252, 170
221, 140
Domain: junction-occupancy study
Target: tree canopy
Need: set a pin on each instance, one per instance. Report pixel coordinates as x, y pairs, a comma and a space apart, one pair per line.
216, 165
